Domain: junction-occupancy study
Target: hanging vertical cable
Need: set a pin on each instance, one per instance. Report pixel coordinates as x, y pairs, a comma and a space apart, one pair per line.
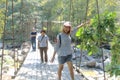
5, 21
72, 5
13, 37
21, 20
84, 29
70, 10
99, 28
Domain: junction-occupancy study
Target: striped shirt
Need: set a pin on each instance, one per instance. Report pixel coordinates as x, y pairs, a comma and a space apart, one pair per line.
65, 48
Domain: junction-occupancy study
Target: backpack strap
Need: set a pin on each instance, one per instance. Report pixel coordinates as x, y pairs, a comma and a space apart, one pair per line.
60, 39
42, 38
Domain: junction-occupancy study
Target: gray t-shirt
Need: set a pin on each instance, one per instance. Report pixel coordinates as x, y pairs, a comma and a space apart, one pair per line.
42, 42
65, 48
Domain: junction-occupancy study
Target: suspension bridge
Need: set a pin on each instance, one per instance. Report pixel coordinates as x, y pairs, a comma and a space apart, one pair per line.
18, 17
33, 69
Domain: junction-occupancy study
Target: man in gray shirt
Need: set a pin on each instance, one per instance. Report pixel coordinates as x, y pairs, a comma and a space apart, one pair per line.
43, 46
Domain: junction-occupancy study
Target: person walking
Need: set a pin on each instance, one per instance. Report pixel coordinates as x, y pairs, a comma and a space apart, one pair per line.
43, 46
33, 38
63, 48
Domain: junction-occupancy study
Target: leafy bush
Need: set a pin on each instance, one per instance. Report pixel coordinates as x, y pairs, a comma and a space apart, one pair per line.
99, 33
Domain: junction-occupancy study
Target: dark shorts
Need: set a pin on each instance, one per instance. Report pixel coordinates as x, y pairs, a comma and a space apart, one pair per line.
64, 59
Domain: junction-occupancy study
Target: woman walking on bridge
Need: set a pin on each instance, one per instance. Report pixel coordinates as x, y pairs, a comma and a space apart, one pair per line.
63, 48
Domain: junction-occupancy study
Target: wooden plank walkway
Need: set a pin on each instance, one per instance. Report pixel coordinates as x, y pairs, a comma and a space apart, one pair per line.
32, 69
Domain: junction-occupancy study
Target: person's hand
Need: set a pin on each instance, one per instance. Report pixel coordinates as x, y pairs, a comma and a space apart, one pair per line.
87, 22
52, 59
38, 47
82, 24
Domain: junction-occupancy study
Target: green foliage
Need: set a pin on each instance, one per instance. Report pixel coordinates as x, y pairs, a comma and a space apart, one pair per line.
115, 64
2, 17
102, 32
115, 70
